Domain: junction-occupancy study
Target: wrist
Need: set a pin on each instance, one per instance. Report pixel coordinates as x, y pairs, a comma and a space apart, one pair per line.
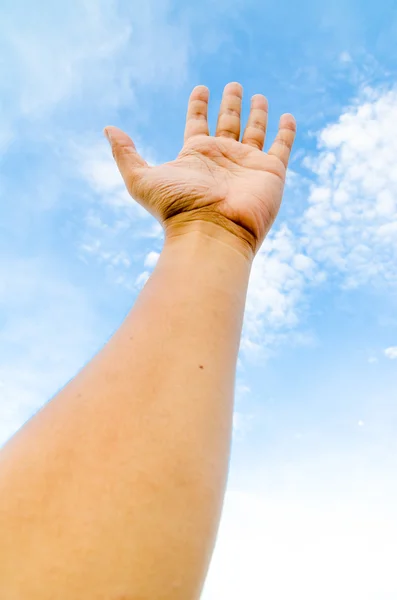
203, 260
208, 232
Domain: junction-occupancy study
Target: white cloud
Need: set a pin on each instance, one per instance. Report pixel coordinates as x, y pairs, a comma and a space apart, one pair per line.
142, 279
243, 415
154, 231
345, 57
350, 226
94, 162
117, 223
242, 423
272, 547
280, 276
113, 259
391, 352
310, 526
372, 360
151, 259
101, 172
242, 390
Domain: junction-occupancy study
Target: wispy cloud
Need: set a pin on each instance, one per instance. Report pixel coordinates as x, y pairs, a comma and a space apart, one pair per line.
118, 231
391, 352
50, 330
94, 50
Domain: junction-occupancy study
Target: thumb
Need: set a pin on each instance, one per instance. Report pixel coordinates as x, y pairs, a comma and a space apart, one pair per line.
128, 160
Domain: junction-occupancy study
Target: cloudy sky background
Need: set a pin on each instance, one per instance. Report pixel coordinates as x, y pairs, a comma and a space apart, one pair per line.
310, 509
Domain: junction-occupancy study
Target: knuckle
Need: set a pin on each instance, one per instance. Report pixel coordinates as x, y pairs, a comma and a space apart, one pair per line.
197, 115
232, 112
285, 143
124, 149
257, 124
254, 142
227, 132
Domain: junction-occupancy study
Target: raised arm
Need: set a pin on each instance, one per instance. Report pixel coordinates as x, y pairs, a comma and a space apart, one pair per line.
114, 489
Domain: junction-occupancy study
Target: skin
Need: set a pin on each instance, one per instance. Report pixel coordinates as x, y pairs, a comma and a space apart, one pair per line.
114, 489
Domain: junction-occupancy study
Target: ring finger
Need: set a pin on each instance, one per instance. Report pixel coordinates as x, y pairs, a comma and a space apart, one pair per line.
255, 132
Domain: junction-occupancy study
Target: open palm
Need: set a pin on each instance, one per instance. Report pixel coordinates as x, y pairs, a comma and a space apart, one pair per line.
233, 184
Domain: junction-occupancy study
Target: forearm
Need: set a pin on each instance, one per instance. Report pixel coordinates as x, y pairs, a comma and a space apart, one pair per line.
121, 489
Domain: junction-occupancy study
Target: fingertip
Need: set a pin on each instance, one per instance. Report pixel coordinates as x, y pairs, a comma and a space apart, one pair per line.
107, 134
260, 101
200, 92
112, 133
235, 88
288, 121
118, 136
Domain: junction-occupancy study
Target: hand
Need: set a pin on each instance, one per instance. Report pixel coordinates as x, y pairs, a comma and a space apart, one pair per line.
218, 179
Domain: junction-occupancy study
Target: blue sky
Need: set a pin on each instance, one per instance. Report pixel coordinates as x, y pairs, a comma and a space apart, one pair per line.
310, 507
